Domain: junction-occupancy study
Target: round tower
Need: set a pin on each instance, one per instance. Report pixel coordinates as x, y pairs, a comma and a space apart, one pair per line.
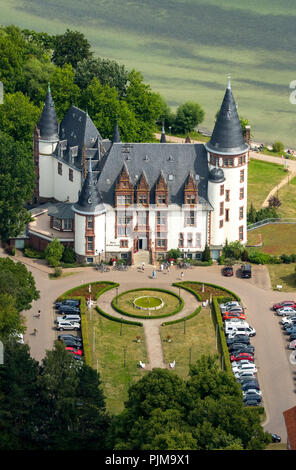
90, 221
227, 154
46, 138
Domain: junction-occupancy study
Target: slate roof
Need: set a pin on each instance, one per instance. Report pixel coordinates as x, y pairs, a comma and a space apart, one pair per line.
48, 124
90, 200
61, 210
176, 161
78, 131
227, 137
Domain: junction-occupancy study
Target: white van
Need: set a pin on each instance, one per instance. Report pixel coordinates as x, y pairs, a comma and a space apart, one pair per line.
249, 330
72, 318
230, 327
67, 325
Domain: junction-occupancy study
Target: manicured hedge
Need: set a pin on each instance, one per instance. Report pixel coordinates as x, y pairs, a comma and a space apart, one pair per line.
147, 317
222, 338
69, 292
119, 320
181, 284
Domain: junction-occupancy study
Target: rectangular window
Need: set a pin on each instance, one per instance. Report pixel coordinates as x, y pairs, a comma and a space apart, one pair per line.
198, 240
142, 199
221, 208
142, 218
123, 243
189, 240
161, 199
190, 218
228, 162
90, 222
226, 215
161, 218
124, 219
242, 176
241, 212
160, 243
56, 223
90, 243
227, 195
70, 174
181, 240
221, 223
242, 160
221, 189
124, 200
60, 169
191, 199
241, 193
67, 224
241, 233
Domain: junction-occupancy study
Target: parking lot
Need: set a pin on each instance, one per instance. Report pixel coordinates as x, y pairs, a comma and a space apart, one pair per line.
276, 371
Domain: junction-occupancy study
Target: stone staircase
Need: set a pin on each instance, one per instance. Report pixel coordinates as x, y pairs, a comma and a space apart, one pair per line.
140, 257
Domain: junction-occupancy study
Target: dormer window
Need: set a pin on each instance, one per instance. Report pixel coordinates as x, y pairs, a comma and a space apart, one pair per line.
161, 199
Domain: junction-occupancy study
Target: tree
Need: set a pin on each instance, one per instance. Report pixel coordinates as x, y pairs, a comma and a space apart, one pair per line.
19, 395
11, 62
17, 180
54, 252
11, 321
278, 147
252, 215
18, 117
64, 91
68, 255
16, 281
107, 71
188, 116
70, 48
274, 201
206, 254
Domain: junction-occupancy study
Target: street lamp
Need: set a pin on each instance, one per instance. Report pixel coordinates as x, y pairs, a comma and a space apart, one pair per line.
116, 294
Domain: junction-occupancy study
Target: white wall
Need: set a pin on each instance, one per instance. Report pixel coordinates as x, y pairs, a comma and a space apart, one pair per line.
79, 234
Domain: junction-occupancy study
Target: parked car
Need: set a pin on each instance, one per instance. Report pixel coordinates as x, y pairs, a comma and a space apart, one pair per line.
285, 303
250, 384
241, 356
71, 343
289, 320
285, 311
71, 302
227, 305
231, 315
240, 364
74, 351
241, 347
250, 331
68, 325
69, 336
276, 438
250, 367
238, 339
241, 376
252, 397
292, 336
246, 271
227, 271
251, 391
75, 318
68, 309
292, 344
251, 402
290, 329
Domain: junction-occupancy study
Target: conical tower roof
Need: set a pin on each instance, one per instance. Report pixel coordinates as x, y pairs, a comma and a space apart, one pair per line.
227, 137
163, 137
48, 124
90, 200
116, 136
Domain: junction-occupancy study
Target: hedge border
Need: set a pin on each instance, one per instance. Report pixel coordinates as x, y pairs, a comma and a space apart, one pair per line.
147, 317
182, 284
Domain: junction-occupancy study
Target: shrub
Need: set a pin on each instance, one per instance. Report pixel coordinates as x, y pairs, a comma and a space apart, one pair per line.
285, 259
54, 252
69, 255
206, 254
174, 253
258, 257
32, 253
274, 201
278, 147
57, 271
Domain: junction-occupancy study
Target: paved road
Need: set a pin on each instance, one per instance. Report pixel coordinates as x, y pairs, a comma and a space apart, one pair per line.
275, 371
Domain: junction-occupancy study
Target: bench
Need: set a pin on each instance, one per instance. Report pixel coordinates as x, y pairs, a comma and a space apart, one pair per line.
172, 364
142, 365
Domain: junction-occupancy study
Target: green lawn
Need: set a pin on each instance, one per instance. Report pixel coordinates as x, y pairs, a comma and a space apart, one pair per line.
199, 339
262, 178
287, 196
116, 354
125, 302
277, 239
283, 275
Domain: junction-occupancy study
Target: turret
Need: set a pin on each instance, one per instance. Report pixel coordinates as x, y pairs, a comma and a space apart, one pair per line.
90, 220
228, 155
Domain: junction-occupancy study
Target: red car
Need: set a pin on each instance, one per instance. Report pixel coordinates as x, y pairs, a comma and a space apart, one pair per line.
229, 315
285, 303
78, 352
241, 356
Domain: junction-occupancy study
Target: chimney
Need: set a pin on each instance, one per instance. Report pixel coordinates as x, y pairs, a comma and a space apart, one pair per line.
248, 135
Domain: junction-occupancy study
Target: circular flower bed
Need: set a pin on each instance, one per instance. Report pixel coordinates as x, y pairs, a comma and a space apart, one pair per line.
148, 302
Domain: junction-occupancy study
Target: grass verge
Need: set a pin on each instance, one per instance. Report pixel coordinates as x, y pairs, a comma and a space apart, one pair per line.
283, 275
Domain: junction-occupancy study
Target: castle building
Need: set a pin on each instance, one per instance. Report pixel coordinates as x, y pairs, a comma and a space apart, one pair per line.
110, 199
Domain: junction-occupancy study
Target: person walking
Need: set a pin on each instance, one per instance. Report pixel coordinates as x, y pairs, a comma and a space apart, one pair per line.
182, 275
161, 267
143, 266
35, 331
